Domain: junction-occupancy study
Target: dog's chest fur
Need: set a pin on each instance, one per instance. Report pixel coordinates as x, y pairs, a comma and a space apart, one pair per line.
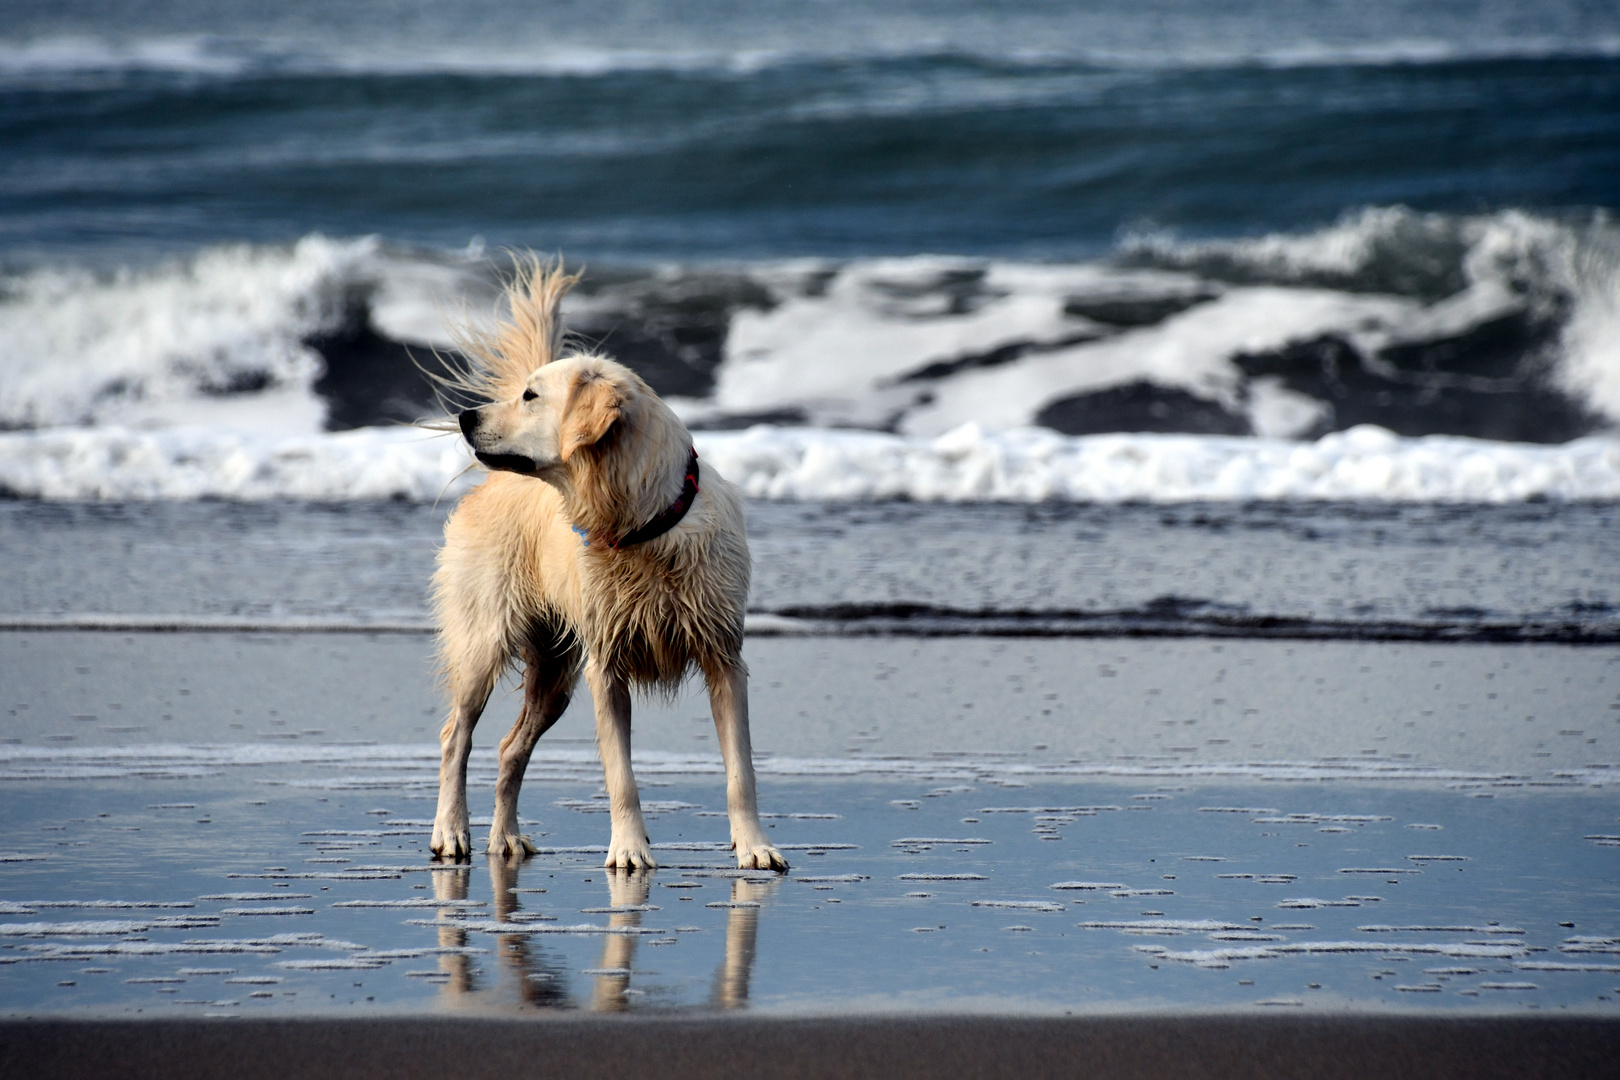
652, 614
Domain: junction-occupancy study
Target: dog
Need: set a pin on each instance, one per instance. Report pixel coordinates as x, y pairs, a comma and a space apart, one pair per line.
598, 544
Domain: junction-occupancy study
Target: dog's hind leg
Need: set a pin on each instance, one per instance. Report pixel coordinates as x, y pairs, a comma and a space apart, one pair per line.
548, 684
629, 847
728, 697
472, 678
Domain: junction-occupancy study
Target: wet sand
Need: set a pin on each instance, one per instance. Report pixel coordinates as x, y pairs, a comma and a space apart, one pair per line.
1011, 857
1526, 709
1191, 1047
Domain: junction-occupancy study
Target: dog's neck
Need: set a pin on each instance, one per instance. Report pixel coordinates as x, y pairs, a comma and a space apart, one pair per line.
618, 499
671, 515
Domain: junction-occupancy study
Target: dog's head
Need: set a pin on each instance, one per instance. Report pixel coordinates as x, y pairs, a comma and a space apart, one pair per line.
565, 407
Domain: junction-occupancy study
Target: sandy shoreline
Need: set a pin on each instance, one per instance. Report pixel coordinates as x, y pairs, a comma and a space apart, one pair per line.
1524, 709
1432, 1047
1400, 846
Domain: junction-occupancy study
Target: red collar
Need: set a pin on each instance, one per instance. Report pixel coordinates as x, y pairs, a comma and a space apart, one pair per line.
671, 516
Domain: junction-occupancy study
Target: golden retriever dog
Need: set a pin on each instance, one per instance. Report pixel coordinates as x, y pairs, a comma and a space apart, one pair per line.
596, 543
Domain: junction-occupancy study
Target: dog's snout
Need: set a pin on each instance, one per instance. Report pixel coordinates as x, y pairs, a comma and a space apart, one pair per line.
469, 422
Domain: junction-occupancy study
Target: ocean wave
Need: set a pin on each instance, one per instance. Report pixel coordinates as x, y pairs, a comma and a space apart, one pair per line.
49, 59
1173, 369
1502, 323
227, 336
54, 58
967, 464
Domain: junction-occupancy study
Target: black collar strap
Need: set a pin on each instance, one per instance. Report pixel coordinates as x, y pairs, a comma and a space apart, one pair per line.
672, 516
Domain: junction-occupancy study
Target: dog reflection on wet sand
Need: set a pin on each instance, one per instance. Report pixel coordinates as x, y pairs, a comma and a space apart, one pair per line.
528, 976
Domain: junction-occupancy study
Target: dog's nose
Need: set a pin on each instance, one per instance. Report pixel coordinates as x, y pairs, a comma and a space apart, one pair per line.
469, 422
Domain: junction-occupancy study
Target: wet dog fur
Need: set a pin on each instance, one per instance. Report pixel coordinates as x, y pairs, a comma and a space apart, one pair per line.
581, 452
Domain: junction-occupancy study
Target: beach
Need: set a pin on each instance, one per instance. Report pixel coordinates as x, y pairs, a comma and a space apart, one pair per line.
921, 1047
1180, 449
1348, 854
224, 807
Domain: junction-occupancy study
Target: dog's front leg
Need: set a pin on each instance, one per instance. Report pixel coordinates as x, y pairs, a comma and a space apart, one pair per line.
728, 696
472, 672
629, 848
452, 836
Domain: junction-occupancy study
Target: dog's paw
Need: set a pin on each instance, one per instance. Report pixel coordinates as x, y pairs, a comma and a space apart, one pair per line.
451, 839
509, 844
630, 855
759, 856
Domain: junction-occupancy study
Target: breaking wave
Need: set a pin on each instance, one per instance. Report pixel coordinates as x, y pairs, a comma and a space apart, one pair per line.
1393, 355
966, 464
55, 57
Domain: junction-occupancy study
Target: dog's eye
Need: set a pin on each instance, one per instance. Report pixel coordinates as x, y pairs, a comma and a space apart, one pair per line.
529, 395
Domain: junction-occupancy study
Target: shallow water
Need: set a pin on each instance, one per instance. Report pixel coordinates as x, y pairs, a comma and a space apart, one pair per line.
996, 893
1537, 572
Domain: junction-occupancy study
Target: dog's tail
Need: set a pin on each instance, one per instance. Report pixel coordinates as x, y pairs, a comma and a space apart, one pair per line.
495, 363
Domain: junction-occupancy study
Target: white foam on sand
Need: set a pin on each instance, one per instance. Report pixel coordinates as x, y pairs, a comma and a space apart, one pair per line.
194, 462
88, 927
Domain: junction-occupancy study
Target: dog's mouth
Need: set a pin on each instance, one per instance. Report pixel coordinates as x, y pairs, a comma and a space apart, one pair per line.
508, 462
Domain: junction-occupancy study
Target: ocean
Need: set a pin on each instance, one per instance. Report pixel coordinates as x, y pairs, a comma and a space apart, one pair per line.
938, 251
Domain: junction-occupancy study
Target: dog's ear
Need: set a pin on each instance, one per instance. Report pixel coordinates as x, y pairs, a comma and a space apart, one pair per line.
593, 407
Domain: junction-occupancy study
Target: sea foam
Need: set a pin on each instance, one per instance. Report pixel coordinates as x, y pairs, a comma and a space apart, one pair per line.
923, 378
967, 464
749, 42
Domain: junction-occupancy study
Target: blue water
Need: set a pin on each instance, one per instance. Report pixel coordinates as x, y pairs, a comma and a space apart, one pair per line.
842, 158
1517, 913
168, 174
769, 132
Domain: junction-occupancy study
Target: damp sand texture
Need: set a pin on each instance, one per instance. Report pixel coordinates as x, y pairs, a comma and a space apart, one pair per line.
1175, 852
